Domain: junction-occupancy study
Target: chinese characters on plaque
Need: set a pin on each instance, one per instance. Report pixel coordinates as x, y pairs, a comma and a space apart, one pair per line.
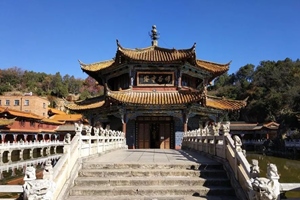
155, 78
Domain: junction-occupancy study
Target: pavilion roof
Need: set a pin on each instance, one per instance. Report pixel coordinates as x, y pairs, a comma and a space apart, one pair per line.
155, 98
161, 98
155, 54
225, 104
90, 103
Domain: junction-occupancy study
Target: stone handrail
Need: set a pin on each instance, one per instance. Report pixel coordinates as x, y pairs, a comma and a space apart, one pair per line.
60, 178
83, 146
13, 165
228, 150
34, 144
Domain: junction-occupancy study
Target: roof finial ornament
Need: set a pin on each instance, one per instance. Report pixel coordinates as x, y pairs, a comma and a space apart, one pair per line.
154, 36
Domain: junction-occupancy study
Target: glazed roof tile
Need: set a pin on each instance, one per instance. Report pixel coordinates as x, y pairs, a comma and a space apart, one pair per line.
56, 111
67, 117
156, 54
155, 98
86, 104
93, 67
51, 121
215, 68
224, 104
18, 113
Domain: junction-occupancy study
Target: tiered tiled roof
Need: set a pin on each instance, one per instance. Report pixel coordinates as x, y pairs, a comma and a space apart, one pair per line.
156, 54
155, 98
215, 68
224, 104
93, 67
163, 98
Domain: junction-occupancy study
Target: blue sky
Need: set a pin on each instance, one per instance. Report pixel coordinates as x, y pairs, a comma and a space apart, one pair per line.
51, 35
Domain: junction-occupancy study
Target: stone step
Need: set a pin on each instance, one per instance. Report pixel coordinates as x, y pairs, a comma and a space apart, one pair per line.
170, 197
151, 172
151, 181
93, 165
151, 191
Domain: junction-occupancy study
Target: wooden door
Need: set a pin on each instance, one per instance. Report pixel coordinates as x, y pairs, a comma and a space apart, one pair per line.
164, 132
143, 136
154, 132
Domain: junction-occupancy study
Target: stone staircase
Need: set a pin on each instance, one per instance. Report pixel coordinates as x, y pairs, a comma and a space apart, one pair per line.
134, 181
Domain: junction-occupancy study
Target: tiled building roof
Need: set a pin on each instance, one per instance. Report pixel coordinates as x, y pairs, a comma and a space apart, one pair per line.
155, 98
18, 113
56, 111
224, 104
91, 103
163, 98
51, 121
157, 54
67, 117
93, 67
215, 68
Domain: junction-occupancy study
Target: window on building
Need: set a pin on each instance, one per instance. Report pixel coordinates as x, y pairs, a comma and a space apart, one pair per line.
17, 102
7, 102
44, 105
0, 102
32, 123
22, 122
44, 114
26, 103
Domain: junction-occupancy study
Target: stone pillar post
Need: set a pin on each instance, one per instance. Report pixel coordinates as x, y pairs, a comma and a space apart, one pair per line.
9, 156
30, 153
41, 152
25, 137
55, 149
15, 137
21, 154
2, 137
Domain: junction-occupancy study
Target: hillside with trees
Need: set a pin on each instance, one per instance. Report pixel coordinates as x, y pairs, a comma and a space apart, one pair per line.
272, 89
41, 84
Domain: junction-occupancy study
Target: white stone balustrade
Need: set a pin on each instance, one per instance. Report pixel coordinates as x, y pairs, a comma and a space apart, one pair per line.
217, 142
28, 145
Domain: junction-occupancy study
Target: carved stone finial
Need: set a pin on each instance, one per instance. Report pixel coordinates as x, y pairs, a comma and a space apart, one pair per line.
30, 173
154, 36
67, 139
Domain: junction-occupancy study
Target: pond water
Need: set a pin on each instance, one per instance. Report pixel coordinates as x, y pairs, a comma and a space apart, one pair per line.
289, 170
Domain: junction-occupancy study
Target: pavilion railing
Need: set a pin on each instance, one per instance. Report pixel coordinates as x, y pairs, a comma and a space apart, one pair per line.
60, 178
216, 141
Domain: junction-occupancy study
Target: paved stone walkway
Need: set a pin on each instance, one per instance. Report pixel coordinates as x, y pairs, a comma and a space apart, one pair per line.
166, 156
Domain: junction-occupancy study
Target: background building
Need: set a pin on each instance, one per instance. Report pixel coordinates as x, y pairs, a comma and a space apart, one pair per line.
27, 103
